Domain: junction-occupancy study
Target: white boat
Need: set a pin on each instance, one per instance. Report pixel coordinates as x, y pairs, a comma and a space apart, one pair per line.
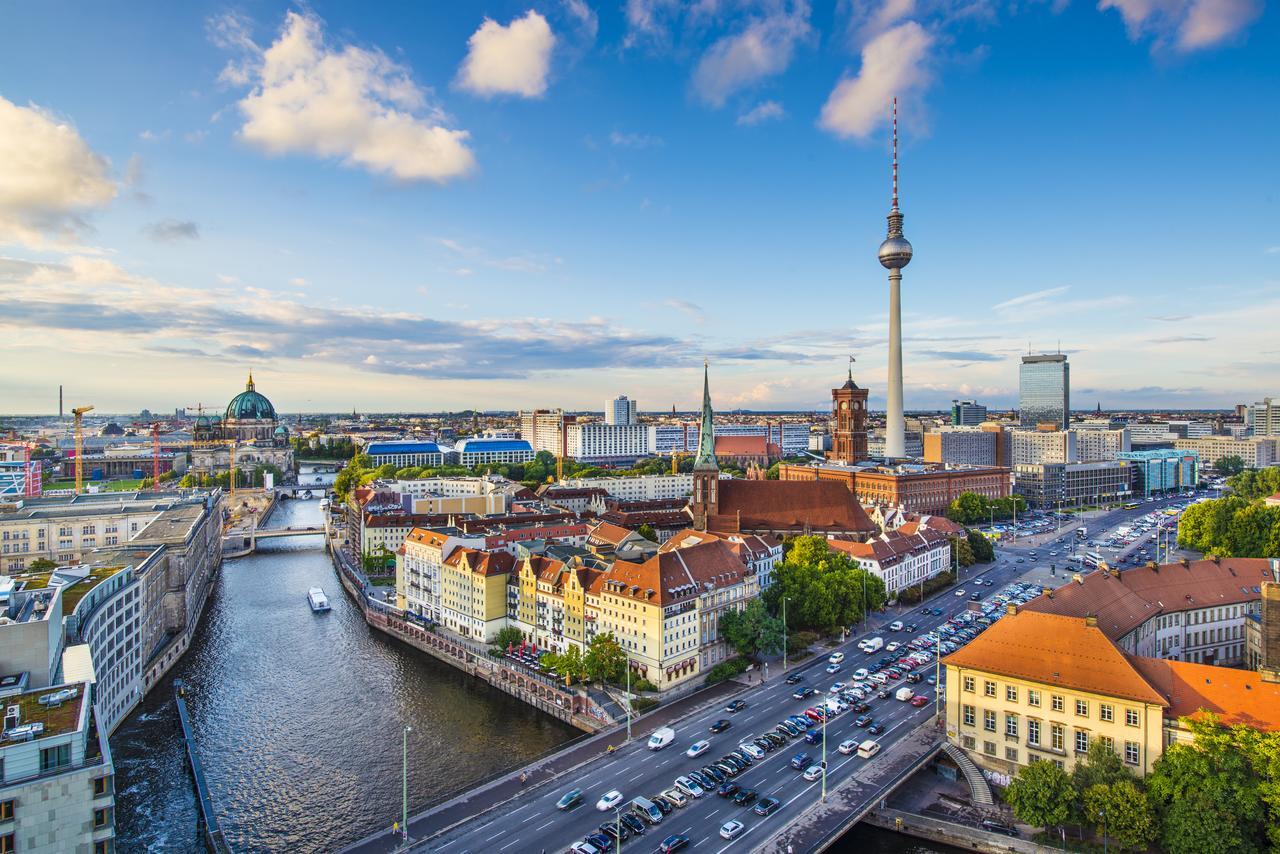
319, 602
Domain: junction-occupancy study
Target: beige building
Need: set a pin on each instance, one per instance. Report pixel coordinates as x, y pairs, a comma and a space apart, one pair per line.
473, 592
1256, 451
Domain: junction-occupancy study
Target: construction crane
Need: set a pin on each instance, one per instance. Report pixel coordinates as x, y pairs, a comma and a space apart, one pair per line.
675, 461
155, 456
79, 412
559, 469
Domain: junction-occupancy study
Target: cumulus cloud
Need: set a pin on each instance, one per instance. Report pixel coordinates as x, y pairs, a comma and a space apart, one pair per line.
894, 63
510, 60
172, 231
352, 104
49, 178
763, 49
1186, 24
762, 112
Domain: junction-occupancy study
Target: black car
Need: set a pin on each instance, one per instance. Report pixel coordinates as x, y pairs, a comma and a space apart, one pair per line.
721, 725
999, 827
733, 762
728, 790
793, 679
664, 806
736, 706
884, 693
875, 729
633, 821
766, 806
910, 627
862, 720
713, 773
801, 761
744, 796
741, 756
674, 842
914, 677
702, 780
774, 738
803, 693
600, 841
790, 727
860, 708
764, 744
615, 831
727, 768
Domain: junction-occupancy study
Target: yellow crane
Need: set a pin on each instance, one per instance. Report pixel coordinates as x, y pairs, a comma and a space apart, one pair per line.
79, 412
559, 469
675, 461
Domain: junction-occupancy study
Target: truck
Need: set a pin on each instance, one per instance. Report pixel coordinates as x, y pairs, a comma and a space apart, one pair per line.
662, 736
871, 645
903, 694
1082, 532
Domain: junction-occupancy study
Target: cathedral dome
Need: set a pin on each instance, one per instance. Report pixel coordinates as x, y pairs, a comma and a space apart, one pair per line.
248, 405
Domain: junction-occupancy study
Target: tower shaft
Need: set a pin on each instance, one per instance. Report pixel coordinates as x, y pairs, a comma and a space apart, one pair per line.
895, 440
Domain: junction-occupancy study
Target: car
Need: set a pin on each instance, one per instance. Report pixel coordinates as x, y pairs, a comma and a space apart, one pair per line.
993, 826
664, 804
860, 708
910, 627
774, 739
801, 761
689, 787
835, 657
790, 727
932, 680
751, 750
892, 646
803, 693
813, 737
701, 780
633, 821
698, 748
975, 597
960, 592
919, 700
813, 715
570, 799
599, 841
742, 797
766, 806
848, 746
615, 830
800, 721
875, 729
674, 842
726, 768
713, 775
833, 668
609, 800
721, 725
914, 677
895, 626
728, 790
884, 693
731, 829
794, 679
813, 772
736, 706
764, 744
862, 720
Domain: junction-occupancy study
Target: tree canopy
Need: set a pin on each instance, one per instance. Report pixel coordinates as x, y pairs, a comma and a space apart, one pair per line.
1041, 795
605, 659
751, 631
1229, 465
1231, 527
824, 589
970, 508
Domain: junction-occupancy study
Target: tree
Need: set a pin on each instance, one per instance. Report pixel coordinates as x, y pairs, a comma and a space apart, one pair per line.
983, 551
963, 551
508, 636
1229, 465
968, 508
1041, 795
646, 531
42, 564
1123, 812
825, 589
1101, 766
605, 659
751, 631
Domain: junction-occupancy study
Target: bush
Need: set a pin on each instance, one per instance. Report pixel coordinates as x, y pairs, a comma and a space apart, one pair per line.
642, 684
798, 642
640, 705
727, 670
911, 595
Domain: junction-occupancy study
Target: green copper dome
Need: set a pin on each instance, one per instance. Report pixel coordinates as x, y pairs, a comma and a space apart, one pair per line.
249, 405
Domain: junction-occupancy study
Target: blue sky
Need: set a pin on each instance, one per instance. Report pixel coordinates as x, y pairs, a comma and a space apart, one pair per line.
445, 205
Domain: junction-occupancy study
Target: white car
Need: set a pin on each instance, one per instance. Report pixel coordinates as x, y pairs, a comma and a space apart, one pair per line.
732, 829
960, 592
836, 657
813, 772
697, 748
689, 787
895, 626
833, 668
847, 747
836, 688
892, 646
609, 800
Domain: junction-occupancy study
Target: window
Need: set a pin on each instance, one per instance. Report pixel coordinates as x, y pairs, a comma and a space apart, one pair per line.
1011, 725
1055, 736
101, 817
1106, 712
55, 757
1033, 698
1011, 693
989, 748
1108, 742
968, 742
968, 684
969, 716
1082, 741
989, 688
1011, 753
7, 843
988, 720
1131, 752
1082, 708
6, 810
1057, 703
1033, 732
103, 846
1130, 717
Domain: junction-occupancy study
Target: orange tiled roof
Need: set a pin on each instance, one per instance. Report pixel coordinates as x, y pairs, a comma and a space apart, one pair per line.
610, 533
427, 537
482, 562
1056, 651
741, 446
675, 575
1238, 696
789, 505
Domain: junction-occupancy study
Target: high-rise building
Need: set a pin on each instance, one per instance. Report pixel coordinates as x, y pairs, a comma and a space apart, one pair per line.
895, 253
544, 429
1263, 417
1044, 391
1033, 447
967, 413
849, 410
620, 410
970, 446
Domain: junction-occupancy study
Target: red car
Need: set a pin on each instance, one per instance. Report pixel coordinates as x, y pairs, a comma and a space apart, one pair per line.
813, 715
919, 700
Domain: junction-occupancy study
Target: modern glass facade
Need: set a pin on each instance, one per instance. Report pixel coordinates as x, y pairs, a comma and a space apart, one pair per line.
967, 413
1044, 391
1162, 470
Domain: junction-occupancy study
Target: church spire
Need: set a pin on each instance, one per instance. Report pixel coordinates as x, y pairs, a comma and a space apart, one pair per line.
249, 385
706, 459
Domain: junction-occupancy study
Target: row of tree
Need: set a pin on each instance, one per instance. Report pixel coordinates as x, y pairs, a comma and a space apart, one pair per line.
245, 477
1220, 793
970, 508
1231, 527
603, 661
1255, 483
825, 590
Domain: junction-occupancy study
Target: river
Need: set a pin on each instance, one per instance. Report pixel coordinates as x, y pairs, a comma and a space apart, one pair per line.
299, 717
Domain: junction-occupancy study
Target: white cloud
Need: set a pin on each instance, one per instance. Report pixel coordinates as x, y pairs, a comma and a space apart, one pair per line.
584, 16
762, 112
49, 178
634, 140
227, 279
298, 282
510, 60
350, 103
645, 19
1188, 24
763, 49
693, 310
894, 63
1035, 296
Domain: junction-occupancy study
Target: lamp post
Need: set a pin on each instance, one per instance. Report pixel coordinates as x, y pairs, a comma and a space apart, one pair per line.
824, 752
1103, 813
404, 785
628, 701
617, 817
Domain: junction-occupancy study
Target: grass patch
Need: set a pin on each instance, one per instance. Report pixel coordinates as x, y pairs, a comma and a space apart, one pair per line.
382, 580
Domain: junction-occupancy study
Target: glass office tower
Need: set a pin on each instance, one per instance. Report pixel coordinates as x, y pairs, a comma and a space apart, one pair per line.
1044, 391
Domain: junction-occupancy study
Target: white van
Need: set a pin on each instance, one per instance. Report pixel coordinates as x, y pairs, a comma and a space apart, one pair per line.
751, 750
904, 694
879, 678
860, 674
871, 645
868, 749
661, 738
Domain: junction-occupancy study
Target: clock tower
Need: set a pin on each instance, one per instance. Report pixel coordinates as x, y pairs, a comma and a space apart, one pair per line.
849, 411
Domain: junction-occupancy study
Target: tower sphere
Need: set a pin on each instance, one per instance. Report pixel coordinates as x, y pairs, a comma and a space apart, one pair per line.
895, 253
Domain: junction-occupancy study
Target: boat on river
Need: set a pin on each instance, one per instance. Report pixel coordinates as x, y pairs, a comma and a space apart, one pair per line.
319, 602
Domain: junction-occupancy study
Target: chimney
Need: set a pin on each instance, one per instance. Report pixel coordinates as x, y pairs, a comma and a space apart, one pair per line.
1091, 620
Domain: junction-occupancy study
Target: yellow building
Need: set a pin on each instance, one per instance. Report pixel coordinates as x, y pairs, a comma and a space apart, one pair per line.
556, 600
473, 592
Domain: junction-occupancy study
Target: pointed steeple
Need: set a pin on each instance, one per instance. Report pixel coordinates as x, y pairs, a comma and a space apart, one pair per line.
249, 385
706, 459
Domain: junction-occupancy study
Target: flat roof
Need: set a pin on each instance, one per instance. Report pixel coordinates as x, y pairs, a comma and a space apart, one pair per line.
58, 718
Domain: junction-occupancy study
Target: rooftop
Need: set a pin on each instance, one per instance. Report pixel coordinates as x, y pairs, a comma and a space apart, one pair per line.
376, 448
57, 718
1236, 696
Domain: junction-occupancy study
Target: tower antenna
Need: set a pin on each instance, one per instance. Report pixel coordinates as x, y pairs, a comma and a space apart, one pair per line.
895, 152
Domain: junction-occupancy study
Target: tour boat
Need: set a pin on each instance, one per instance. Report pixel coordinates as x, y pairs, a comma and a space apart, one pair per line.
319, 602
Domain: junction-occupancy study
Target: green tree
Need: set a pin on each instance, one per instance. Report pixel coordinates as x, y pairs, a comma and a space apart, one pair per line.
751, 631
42, 564
605, 659
1229, 465
570, 664
1123, 812
983, 551
1100, 766
1041, 795
968, 508
508, 636
963, 551
646, 530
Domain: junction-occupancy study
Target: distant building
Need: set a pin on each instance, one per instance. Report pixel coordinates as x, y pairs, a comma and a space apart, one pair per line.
544, 430
1044, 391
406, 454
646, 487
971, 446
913, 445
849, 432
1256, 451
1263, 417
597, 442
620, 410
967, 413
482, 451
666, 439
1157, 471
927, 489
1095, 445
249, 423
1035, 447
1048, 485
900, 559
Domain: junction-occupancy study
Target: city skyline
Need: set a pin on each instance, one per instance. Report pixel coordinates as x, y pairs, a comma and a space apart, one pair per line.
379, 240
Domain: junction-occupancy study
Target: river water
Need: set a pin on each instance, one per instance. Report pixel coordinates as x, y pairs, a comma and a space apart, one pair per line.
299, 717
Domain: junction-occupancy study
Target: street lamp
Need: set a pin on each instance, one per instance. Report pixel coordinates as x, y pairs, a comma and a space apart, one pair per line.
824, 752
1103, 813
617, 817
404, 785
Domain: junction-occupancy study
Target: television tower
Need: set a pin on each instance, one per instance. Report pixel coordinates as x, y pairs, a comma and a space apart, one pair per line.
895, 253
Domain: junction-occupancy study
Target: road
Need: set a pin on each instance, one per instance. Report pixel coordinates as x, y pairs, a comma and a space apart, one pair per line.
532, 822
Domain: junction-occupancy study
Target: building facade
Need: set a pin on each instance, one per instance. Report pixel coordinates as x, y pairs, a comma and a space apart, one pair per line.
967, 413
1049, 485
620, 410
1036, 447
1263, 418
597, 442
1256, 451
406, 454
484, 450
970, 446
544, 429
1157, 471
648, 487
926, 489
1044, 391
900, 559
849, 423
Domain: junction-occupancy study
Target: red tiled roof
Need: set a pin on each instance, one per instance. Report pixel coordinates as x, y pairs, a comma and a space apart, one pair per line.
741, 446
675, 575
607, 532
482, 562
1237, 696
891, 546
789, 505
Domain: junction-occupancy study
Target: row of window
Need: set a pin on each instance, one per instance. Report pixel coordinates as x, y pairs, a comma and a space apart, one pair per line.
1106, 711
1057, 733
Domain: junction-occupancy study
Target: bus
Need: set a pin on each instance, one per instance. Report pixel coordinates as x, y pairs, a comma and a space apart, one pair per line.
1093, 559
1132, 505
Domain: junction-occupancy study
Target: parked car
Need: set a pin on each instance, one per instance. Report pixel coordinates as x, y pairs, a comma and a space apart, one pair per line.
674, 842
994, 826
